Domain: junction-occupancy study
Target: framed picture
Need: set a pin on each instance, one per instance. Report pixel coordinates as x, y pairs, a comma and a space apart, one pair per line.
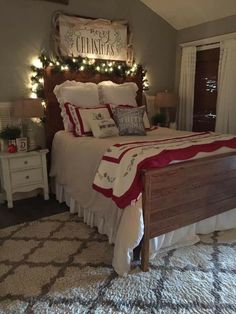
21, 144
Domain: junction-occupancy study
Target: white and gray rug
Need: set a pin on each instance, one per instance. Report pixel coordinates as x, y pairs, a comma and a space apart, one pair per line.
59, 265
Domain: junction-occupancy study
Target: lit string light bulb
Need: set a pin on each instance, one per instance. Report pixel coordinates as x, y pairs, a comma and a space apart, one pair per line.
134, 68
33, 95
37, 63
145, 83
35, 87
91, 61
64, 68
43, 103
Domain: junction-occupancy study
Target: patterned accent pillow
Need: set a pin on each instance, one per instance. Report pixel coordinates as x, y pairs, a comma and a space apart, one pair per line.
130, 120
79, 118
145, 117
102, 127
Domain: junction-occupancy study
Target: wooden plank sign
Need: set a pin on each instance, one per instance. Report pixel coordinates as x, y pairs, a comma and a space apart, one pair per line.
96, 39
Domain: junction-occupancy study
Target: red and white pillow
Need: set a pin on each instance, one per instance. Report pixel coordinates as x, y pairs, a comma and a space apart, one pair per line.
145, 117
79, 118
80, 94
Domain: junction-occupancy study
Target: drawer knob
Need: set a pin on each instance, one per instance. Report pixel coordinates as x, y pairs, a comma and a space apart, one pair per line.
25, 162
27, 177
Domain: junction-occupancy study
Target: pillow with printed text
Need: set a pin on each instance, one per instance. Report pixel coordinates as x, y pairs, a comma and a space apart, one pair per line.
102, 127
130, 120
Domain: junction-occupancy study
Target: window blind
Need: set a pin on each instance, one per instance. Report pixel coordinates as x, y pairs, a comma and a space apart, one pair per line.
5, 114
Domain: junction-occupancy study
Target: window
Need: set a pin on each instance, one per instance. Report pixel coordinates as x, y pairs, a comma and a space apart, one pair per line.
205, 90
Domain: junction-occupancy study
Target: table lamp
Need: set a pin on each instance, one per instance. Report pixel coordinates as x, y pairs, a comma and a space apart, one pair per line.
26, 109
166, 101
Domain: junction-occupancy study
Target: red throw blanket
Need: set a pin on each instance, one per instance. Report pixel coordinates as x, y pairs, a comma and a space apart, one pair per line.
118, 175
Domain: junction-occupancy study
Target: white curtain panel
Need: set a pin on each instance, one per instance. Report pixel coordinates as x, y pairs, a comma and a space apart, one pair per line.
226, 100
186, 88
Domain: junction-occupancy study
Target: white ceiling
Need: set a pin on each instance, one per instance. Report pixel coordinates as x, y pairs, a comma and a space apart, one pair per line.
186, 13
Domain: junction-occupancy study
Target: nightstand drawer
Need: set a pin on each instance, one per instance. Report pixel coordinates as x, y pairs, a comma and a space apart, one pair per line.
23, 172
25, 162
26, 177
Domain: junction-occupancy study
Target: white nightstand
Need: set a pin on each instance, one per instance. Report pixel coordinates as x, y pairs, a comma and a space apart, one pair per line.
23, 172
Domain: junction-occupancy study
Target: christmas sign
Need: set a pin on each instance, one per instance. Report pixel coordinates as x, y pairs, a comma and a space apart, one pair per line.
98, 39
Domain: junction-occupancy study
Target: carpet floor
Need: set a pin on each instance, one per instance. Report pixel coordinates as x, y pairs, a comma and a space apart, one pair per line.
59, 265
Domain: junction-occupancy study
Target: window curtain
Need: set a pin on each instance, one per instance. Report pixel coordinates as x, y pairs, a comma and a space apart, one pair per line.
226, 100
186, 88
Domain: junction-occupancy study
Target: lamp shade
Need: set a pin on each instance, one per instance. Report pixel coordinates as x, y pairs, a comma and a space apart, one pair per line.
28, 108
166, 100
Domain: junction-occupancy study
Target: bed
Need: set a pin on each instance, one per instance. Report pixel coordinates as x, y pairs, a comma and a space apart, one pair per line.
176, 223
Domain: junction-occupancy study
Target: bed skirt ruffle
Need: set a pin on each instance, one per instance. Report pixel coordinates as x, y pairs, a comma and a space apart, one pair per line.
126, 239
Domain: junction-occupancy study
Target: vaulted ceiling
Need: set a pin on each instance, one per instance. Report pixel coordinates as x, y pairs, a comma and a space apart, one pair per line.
186, 13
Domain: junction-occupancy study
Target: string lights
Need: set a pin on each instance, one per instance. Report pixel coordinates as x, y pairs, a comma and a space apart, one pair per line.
63, 64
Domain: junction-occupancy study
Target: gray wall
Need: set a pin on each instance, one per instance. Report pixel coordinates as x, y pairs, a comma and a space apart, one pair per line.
205, 30
25, 31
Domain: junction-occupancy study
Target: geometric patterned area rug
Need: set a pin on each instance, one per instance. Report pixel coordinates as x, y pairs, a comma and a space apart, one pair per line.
59, 265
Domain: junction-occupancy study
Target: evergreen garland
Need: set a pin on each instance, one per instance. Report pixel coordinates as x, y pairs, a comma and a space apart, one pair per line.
58, 65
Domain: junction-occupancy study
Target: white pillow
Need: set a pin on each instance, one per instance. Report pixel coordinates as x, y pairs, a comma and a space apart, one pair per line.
80, 94
103, 127
117, 94
77, 93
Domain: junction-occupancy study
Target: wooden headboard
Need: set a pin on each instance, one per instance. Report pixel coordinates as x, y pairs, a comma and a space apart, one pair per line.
51, 79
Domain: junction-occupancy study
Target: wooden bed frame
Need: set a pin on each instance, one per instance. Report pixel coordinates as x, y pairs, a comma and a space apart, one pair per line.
174, 196
184, 193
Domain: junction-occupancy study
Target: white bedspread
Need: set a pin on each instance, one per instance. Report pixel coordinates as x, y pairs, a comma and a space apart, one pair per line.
74, 165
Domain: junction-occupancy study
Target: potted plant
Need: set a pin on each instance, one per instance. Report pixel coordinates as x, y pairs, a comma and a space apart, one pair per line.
159, 119
9, 135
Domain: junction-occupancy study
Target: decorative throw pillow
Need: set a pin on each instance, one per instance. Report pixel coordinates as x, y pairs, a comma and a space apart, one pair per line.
112, 93
80, 94
145, 117
79, 118
130, 120
102, 127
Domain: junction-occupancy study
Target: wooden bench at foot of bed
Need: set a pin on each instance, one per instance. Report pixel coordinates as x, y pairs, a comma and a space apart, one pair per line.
185, 193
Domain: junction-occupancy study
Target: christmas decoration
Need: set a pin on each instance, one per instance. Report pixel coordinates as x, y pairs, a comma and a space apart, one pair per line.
10, 132
62, 64
12, 148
